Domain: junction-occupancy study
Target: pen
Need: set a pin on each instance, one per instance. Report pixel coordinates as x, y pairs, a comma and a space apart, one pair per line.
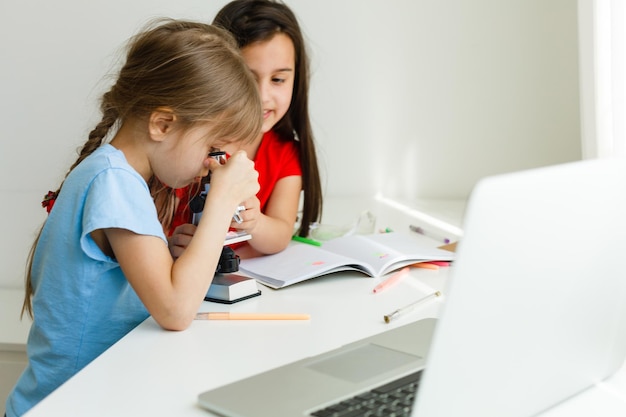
306, 240
401, 311
251, 316
393, 279
421, 231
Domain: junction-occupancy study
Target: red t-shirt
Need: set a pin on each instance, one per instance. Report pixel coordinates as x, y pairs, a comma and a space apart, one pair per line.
275, 159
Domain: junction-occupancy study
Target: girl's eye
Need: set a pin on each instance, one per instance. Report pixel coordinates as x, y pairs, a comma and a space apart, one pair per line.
278, 80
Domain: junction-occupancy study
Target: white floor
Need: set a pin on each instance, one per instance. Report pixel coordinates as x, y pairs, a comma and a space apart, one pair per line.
12, 363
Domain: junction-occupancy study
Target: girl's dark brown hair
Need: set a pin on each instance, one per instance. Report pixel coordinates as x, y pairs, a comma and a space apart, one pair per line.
259, 20
194, 69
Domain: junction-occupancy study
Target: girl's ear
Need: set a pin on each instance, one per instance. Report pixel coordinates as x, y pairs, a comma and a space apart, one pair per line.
161, 123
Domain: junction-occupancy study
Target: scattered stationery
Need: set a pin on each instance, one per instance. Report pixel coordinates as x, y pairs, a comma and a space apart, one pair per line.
426, 265
432, 264
374, 255
450, 247
431, 235
440, 263
392, 280
306, 240
230, 288
251, 316
401, 311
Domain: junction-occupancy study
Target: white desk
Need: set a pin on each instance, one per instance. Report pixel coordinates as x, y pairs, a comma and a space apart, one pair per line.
153, 372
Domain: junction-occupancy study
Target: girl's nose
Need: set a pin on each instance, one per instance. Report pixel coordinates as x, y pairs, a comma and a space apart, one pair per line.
263, 91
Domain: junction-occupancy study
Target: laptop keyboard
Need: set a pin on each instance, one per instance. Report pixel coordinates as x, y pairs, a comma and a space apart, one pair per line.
392, 399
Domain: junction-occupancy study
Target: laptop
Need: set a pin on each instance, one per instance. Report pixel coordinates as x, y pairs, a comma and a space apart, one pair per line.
534, 311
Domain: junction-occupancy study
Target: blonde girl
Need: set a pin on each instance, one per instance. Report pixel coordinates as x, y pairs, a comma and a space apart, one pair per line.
101, 264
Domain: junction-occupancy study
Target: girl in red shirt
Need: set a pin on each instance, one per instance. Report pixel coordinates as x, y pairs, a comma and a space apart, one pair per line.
272, 45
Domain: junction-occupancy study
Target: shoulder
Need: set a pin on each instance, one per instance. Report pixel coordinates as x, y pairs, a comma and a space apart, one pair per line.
108, 157
104, 181
110, 163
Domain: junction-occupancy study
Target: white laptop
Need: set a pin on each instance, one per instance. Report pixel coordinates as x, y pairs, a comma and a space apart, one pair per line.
535, 311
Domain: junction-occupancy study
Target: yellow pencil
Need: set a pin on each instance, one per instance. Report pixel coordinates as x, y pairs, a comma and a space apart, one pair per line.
251, 316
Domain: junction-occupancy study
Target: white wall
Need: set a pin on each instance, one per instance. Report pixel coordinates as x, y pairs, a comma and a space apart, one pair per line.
412, 98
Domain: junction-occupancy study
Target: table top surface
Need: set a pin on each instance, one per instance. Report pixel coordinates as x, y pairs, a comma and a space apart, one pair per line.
160, 373
154, 372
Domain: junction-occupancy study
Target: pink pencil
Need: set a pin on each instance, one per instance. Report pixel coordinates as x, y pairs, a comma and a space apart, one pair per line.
392, 280
440, 263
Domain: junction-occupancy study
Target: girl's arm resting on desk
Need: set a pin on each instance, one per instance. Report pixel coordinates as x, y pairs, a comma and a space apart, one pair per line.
172, 291
271, 232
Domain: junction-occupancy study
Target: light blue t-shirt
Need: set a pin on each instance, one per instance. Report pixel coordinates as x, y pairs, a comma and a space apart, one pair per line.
82, 302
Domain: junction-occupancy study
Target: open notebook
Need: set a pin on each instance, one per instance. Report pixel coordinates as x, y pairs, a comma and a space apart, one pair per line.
535, 311
374, 255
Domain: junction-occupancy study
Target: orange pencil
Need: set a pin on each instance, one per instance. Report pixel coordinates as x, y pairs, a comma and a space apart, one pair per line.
426, 265
251, 316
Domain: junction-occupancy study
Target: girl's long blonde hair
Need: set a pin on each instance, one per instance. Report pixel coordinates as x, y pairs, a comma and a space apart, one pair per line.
194, 69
